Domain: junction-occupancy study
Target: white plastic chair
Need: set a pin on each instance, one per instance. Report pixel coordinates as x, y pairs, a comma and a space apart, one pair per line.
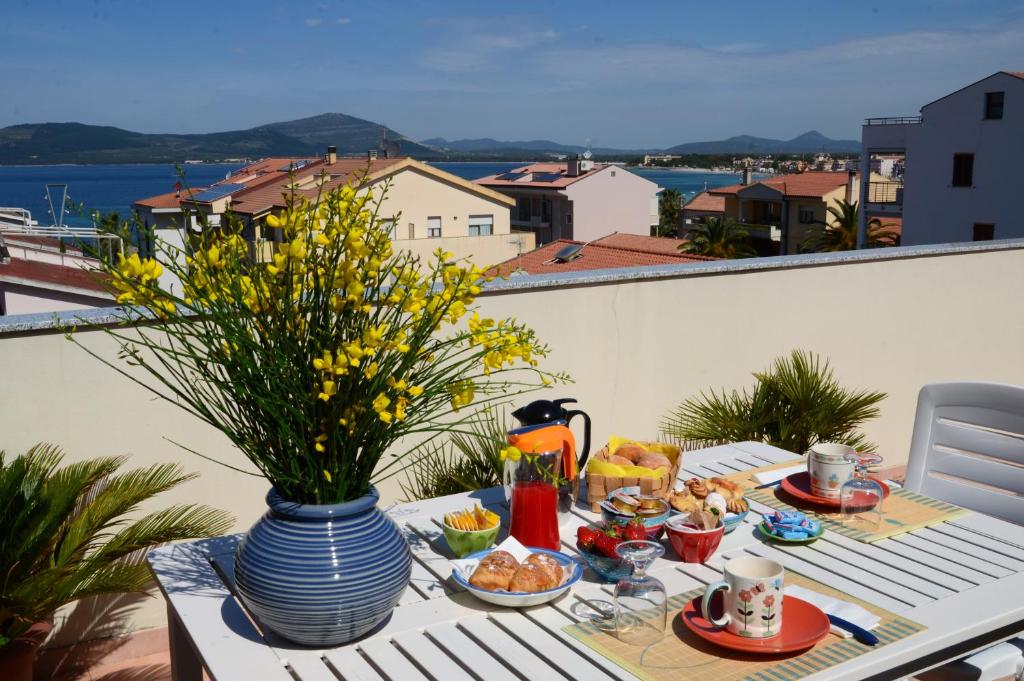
968, 447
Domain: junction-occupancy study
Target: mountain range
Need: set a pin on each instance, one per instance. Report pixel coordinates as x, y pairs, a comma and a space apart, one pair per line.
38, 143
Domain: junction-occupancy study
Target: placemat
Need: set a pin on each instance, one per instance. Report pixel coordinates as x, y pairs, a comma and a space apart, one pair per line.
903, 511
682, 651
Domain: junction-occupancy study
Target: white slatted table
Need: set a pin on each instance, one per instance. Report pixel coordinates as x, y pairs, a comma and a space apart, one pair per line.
964, 580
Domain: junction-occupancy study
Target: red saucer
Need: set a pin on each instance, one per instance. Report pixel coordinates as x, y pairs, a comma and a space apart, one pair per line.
798, 485
803, 625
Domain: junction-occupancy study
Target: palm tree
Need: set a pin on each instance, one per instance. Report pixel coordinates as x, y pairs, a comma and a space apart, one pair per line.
719, 238
670, 213
841, 235
67, 533
796, 403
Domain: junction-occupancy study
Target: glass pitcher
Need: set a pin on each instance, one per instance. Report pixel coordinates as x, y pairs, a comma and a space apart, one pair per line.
533, 477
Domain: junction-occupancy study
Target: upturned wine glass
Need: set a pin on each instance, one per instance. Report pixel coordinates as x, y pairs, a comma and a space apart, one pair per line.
861, 497
641, 604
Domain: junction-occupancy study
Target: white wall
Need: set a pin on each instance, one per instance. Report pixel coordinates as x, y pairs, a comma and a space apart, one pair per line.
612, 200
481, 250
891, 323
936, 212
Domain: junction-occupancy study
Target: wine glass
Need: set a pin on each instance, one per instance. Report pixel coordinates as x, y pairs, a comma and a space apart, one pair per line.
641, 604
860, 496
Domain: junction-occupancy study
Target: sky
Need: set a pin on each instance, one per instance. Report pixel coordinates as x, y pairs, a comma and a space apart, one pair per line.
619, 74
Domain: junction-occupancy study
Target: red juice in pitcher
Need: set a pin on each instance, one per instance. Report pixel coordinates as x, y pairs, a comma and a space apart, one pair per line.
535, 514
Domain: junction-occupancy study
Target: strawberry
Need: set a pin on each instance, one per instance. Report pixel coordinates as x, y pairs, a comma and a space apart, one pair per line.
605, 545
634, 530
585, 538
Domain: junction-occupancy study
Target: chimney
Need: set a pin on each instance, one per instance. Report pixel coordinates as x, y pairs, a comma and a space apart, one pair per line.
332, 154
851, 177
746, 175
573, 167
371, 155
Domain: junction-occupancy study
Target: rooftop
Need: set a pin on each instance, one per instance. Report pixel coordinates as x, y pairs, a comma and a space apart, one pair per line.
614, 251
707, 202
813, 184
48, 275
549, 175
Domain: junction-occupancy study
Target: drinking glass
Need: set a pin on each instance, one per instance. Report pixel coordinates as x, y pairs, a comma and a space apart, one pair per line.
641, 604
861, 497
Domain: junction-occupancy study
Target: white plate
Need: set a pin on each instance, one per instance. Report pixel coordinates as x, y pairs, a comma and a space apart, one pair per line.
523, 600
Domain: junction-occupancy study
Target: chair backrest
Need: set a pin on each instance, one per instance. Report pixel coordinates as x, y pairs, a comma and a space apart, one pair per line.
968, 447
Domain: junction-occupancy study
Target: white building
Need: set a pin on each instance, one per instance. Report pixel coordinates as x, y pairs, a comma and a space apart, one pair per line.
962, 157
37, 275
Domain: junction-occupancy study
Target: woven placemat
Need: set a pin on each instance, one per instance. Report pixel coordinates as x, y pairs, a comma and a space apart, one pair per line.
681, 652
903, 511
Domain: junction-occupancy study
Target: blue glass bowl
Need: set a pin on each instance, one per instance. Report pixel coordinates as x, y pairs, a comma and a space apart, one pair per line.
607, 569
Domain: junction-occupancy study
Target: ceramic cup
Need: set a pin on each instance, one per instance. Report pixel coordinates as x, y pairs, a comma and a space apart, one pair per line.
828, 468
752, 597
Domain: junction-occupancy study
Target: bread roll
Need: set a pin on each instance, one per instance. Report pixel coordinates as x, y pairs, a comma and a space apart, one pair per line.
495, 571
631, 452
619, 460
654, 461
547, 563
531, 578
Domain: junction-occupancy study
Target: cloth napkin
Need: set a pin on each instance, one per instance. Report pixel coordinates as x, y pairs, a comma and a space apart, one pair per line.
765, 477
467, 566
850, 612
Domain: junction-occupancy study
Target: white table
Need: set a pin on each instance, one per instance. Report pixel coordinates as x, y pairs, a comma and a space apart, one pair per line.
964, 580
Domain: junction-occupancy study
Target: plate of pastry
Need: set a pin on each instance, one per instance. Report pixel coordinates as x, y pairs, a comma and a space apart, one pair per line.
498, 576
697, 494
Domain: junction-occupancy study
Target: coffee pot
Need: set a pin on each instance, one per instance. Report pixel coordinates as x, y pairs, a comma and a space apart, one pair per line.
541, 412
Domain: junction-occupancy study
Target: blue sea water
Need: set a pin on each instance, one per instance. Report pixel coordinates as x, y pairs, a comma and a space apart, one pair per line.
113, 188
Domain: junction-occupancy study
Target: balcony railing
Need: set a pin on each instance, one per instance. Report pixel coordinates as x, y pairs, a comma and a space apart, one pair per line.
889, 191
893, 120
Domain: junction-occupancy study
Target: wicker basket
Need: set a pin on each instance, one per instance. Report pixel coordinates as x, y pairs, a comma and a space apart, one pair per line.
598, 486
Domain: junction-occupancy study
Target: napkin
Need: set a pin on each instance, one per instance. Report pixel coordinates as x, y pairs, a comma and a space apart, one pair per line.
765, 477
467, 566
850, 612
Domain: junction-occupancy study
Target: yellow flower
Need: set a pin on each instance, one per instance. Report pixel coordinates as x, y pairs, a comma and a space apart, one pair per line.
371, 370
381, 403
510, 453
415, 391
327, 476
329, 391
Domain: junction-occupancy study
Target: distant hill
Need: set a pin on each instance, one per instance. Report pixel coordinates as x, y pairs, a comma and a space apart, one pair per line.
81, 143
488, 145
807, 143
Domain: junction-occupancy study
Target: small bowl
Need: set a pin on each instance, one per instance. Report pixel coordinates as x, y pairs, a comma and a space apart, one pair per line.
693, 545
731, 520
465, 542
607, 569
653, 523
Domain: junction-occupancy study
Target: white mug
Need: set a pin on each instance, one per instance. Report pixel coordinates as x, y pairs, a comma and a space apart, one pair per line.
752, 597
828, 468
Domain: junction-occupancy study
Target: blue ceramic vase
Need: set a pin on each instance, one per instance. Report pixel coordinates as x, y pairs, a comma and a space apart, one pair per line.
322, 575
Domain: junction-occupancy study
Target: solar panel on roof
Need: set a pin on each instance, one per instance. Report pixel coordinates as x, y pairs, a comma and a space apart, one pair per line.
217, 192
546, 177
510, 176
570, 252
294, 165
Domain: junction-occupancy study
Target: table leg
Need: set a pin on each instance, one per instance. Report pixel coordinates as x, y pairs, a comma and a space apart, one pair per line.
185, 664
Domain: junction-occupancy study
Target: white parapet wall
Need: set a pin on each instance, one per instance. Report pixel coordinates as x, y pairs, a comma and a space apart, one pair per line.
636, 342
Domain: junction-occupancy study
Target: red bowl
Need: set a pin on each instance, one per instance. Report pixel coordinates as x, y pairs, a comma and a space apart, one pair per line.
693, 545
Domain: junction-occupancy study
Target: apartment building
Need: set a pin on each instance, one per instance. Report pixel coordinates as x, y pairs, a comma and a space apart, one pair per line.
780, 209
956, 165
428, 208
39, 275
577, 199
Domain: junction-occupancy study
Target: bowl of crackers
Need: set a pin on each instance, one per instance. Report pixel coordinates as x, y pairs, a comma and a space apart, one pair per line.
471, 530
700, 494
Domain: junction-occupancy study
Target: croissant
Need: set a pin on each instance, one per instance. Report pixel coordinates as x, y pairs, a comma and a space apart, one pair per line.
727, 488
698, 487
685, 502
736, 505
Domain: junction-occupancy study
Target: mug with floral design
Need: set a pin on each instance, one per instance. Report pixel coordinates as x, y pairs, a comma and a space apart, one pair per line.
752, 597
829, 468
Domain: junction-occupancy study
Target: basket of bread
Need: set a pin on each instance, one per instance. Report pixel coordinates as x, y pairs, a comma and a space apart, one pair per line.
650, 466
516, 576
698, 495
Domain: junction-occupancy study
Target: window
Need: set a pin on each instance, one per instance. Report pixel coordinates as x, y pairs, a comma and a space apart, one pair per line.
392, 228
481, 225
994, 105
963, 170
568, 218
984, 231
524, 208
412, 230
613, 173
434, 228
806, 216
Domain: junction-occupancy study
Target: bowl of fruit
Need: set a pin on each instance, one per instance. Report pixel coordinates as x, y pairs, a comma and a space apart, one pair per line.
597, 548
470, 530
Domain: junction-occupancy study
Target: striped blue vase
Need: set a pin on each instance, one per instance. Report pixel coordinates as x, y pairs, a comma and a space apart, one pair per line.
321, 575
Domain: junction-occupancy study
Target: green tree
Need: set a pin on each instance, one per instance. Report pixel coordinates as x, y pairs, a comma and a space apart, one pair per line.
841, 235
794, 404
75, 531
670, 213
719, 238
